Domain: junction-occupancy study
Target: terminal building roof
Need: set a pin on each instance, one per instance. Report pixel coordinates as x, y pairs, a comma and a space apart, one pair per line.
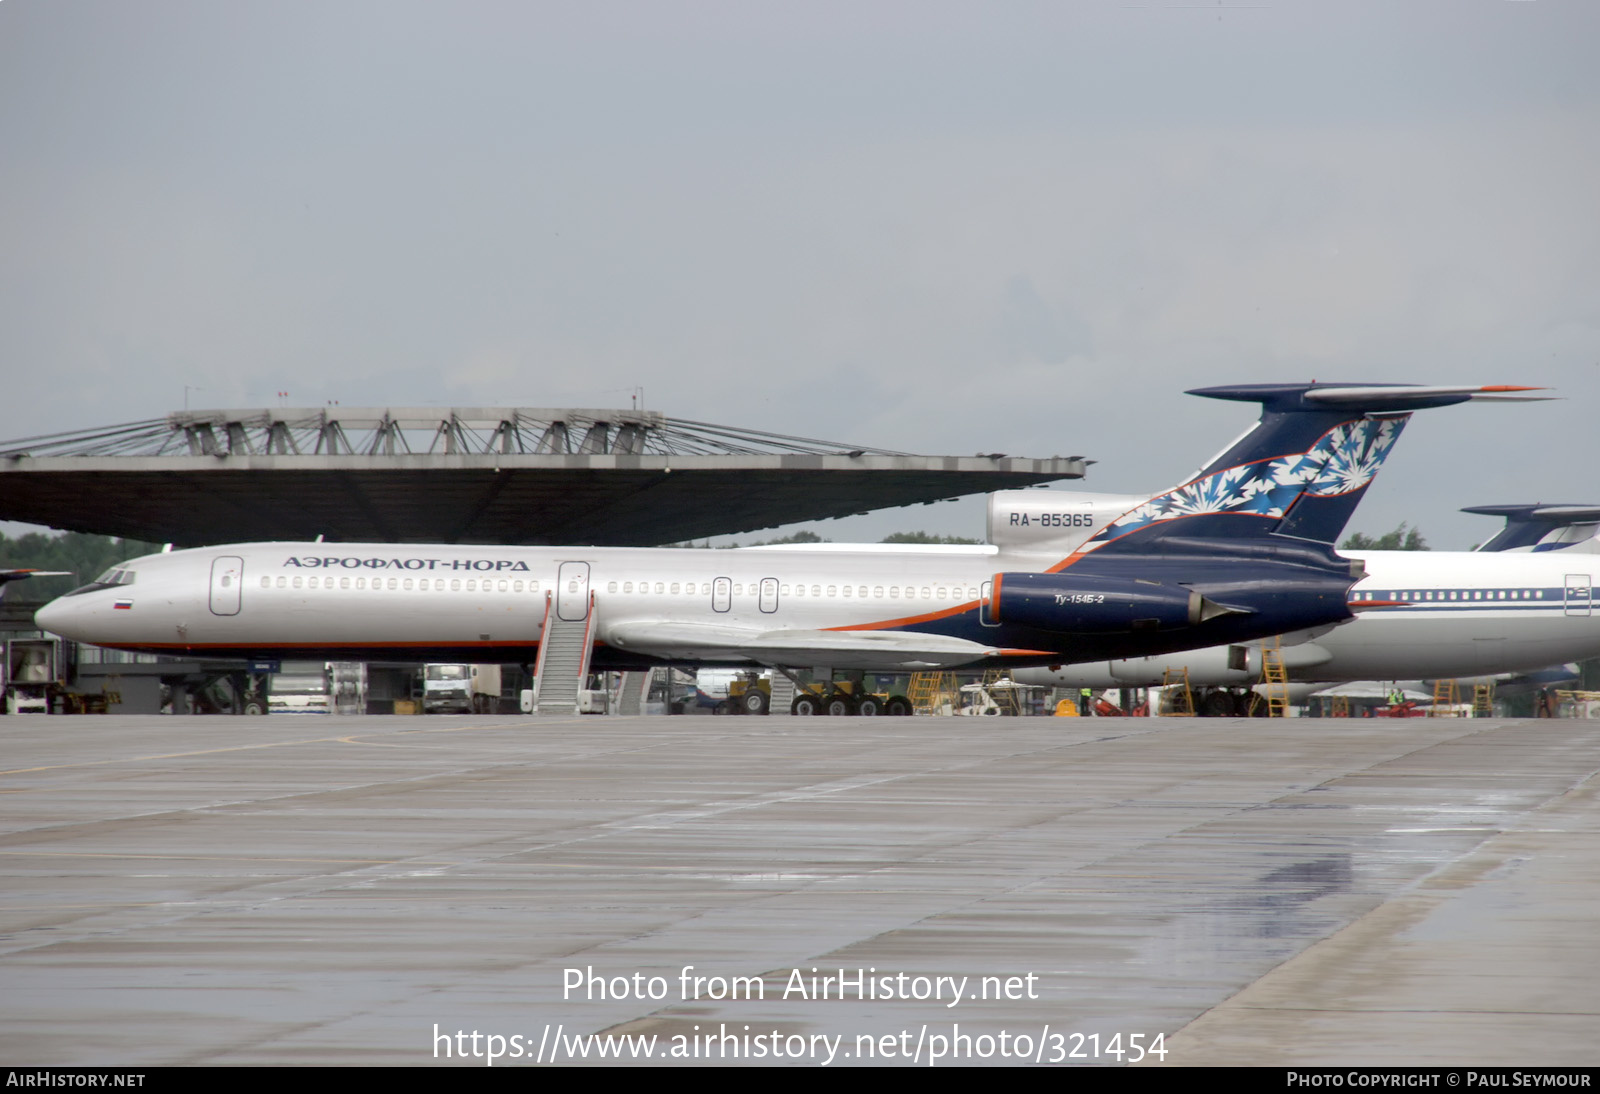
467, 475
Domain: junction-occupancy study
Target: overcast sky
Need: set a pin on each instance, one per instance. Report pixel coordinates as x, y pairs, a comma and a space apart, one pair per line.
938, 227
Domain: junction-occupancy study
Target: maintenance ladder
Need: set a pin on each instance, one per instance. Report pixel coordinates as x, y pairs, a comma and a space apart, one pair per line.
1274, 680
1445, 698
1006, 698
1182, 705
931, 690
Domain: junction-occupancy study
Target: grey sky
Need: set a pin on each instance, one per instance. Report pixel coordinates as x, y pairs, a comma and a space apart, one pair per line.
932, 226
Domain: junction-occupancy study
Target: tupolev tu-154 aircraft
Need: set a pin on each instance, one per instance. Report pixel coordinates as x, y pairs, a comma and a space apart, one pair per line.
1241, 550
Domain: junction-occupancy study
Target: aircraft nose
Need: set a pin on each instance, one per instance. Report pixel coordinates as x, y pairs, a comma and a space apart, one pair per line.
55, 617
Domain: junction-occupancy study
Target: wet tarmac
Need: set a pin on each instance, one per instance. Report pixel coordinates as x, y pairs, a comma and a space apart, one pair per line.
378, 890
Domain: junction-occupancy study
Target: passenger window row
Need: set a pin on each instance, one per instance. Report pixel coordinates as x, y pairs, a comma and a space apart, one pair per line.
405, 584
1425, 595
861, 592
626, 588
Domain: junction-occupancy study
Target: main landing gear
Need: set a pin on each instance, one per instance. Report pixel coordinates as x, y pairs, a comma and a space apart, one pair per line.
839, 703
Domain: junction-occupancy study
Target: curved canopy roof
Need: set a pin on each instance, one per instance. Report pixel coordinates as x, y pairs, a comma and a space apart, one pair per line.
468, 475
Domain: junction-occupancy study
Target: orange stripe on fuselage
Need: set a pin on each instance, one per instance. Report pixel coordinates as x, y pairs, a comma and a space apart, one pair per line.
313, 645
904, 621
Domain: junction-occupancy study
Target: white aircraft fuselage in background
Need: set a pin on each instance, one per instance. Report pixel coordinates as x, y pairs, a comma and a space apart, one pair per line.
1464, 613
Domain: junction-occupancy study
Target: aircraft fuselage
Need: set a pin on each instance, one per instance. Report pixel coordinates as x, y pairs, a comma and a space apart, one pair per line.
478, 604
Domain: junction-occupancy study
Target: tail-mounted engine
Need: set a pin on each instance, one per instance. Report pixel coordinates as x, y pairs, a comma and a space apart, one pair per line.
1092, 604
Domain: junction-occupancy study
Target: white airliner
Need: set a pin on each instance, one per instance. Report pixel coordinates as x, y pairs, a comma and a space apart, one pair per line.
1447, 614
1238, 552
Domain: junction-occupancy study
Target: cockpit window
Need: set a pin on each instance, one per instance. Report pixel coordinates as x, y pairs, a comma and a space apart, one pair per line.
109, 580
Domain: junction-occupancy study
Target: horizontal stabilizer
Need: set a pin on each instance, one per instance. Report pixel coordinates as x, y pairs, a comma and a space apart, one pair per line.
1367, 398
1419, 397
21, 574
8, 576
1546, 514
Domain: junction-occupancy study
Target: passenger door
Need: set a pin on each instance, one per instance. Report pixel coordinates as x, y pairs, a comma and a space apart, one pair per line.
572, 591
1578, 594
227, 577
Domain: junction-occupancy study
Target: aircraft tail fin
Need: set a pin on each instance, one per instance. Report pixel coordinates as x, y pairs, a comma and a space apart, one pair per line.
1527, 526
1303, 468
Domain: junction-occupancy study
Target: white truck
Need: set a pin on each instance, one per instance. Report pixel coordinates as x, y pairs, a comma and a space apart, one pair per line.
460, 689
301, 687
29, 671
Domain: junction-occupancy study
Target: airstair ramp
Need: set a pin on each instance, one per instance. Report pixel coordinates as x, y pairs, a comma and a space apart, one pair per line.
631, 693
782, 696
563, 663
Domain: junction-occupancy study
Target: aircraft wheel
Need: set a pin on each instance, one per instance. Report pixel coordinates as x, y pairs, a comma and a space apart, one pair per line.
255, 706
1216, 704
839, 707
869, 707
806, 706
898, 706
755, 701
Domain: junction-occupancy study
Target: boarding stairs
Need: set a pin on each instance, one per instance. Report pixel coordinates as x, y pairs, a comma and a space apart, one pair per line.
563, 663
781, 698
631, 693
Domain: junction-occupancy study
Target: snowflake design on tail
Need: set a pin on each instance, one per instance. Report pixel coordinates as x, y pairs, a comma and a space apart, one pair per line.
1342, 461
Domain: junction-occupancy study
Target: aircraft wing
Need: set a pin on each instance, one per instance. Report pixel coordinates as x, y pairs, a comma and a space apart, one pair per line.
855, 649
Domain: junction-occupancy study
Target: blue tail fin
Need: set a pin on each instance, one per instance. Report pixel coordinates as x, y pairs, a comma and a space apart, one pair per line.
1300, 472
